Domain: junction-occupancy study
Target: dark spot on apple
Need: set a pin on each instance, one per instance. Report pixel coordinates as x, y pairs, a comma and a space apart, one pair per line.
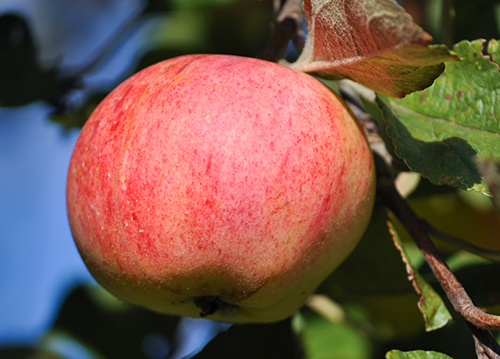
448, 97
209, 304
459, 94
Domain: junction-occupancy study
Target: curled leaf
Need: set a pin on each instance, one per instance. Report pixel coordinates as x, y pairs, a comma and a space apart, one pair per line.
431, 305
372, 42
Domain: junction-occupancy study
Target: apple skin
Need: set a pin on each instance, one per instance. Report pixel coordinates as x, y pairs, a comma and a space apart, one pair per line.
220, 186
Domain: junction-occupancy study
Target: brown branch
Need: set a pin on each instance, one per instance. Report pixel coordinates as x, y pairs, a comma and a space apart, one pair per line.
287, 26
454, 290
477, 321
486, 345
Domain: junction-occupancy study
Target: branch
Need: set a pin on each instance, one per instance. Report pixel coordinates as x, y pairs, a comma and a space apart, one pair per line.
459, 243
456, 293
71, 78
486, 345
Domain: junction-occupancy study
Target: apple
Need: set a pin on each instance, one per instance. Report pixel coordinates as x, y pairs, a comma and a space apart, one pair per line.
219, 186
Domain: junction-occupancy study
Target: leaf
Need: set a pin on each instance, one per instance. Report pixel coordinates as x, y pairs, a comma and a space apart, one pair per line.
464, 220
493, 50
431, 305
439, 131
442, 162
417, 354
323, 339
372, 42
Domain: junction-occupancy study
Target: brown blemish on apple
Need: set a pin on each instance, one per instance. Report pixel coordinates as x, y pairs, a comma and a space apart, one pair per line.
209, 165
210, 304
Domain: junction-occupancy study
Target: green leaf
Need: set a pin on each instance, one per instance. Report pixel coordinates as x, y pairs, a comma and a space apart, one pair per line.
431, 305
417, 354
493, 50
466, 219
372, 42
438, 132
323, 339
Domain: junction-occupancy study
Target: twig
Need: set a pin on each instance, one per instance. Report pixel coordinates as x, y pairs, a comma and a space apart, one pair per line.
486, 345
452, 287
287, 26
477, 321
71, 78
459, 243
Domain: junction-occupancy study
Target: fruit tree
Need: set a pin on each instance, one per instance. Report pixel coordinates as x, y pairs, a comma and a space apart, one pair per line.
309, 179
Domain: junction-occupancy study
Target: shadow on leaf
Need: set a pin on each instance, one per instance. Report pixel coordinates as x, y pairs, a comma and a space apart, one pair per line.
450, 161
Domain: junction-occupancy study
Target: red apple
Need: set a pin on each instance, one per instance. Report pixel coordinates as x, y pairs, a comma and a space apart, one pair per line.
219, 186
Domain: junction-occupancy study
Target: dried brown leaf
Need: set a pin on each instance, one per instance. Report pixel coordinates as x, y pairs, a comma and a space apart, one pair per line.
372, 42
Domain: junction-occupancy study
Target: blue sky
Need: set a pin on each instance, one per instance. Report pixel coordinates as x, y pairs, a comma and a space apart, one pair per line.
38, 260
39, 263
